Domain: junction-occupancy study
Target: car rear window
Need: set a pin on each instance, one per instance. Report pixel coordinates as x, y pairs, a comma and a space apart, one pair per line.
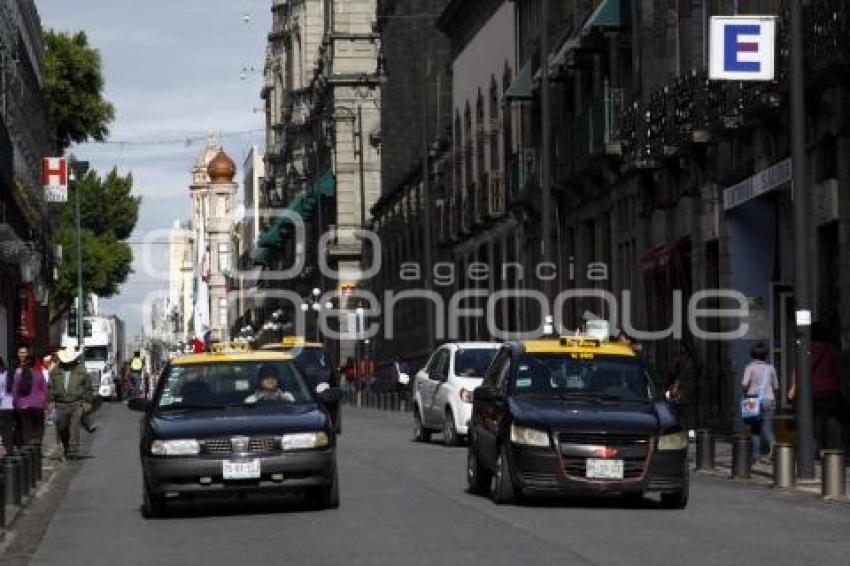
473, 362
558, 374
226, 384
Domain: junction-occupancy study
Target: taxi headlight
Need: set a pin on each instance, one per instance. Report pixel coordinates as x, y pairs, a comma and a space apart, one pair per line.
304, 440
675, 441
529, 436
465, 395
175, 447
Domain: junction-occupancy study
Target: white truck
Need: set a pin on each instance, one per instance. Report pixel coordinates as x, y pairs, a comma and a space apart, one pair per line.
104, 351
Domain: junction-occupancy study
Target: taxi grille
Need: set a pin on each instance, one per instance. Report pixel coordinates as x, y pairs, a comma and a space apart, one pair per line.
257, 445
632, 449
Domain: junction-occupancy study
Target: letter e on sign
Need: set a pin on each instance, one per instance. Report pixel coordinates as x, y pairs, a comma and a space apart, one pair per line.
743, 48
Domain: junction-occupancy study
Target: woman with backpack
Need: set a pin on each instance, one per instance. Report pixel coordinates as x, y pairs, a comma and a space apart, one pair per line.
759, 404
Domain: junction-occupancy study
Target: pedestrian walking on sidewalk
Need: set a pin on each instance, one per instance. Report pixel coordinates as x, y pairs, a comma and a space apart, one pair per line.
30, 396
7, 407
827, 404
71, 393
760, 388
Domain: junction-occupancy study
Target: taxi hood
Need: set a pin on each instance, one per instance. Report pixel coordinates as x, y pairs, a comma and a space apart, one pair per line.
553, 413
250, 421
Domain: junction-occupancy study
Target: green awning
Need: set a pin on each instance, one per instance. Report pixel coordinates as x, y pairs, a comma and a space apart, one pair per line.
326, 185
612, 13
264, 256
520, 89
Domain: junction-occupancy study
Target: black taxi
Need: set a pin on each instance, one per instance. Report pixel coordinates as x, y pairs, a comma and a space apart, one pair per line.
574, 416
236, 421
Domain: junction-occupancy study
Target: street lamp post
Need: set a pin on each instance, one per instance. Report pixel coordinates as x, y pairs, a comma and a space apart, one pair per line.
545, 185
79, 168
805, 453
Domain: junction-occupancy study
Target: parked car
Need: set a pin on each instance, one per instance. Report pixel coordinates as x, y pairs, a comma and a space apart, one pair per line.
215, 425
575, 416
442, 390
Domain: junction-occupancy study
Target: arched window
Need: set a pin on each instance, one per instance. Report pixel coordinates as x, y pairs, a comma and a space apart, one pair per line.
507, 116
493, 126
458, 153
467, 147
480, 135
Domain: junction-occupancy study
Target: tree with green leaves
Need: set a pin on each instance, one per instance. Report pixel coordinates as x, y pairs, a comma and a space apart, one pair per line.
108, 214
73, 89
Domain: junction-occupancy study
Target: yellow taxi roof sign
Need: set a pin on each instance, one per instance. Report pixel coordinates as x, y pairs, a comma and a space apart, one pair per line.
293, 341
226, 347
579, 345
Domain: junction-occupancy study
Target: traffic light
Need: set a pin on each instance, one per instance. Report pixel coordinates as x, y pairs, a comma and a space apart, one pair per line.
72, 323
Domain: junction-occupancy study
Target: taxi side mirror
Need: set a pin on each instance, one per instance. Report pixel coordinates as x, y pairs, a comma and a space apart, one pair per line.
327, 394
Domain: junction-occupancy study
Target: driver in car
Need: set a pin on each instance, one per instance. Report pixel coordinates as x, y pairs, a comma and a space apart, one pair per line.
270, 391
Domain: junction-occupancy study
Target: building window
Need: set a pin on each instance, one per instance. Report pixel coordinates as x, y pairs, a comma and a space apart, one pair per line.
223, 257
480, 135
222, 312
493, 125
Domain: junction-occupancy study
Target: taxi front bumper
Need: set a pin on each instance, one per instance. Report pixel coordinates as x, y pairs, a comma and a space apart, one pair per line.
545, 471
203, 474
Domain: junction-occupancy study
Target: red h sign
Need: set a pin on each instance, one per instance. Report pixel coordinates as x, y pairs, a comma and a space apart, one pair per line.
54, 177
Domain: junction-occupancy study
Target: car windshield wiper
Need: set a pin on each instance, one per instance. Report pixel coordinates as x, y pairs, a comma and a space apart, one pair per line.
190, 406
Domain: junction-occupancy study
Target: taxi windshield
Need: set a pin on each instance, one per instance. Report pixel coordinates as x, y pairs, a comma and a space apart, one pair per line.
231, 384
610, 378
473, 362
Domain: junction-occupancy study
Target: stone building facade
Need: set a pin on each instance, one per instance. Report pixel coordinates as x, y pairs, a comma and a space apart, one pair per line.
652, 176
26, 262
323, 94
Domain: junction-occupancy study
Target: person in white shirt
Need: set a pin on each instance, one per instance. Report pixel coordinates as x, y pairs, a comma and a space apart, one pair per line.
760, 382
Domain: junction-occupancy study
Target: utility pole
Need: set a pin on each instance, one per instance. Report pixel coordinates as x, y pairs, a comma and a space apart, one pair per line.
362, 173
79, 168
427, 201
545, 168
805, 448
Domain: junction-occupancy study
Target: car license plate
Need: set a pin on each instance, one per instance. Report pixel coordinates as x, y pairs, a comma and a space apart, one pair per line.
241, 470
604, 469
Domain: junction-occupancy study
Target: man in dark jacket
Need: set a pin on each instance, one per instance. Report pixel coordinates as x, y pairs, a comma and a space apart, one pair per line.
71, 393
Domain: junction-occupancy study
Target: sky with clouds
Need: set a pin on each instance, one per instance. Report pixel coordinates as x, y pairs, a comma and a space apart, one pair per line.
174, 71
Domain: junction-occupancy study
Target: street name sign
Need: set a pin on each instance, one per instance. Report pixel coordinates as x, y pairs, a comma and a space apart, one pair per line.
764, 181
54, 177
742, 48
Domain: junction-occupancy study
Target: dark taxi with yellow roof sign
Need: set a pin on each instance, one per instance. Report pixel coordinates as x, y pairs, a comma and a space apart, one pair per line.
236, 421
315, 363
574, 416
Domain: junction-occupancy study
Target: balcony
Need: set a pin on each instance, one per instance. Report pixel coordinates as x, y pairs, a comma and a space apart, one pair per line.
597, 130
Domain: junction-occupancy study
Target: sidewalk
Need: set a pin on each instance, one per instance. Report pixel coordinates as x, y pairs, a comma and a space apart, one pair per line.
762, 473
51, 452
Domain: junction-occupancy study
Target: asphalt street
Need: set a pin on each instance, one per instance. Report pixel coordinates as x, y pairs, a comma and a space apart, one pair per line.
406, 503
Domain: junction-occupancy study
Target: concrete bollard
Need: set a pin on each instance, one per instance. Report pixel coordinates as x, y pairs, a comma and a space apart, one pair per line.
2, 498
39, 462
705, 450
29, 451
13, 484
834, 482
784, 466
395, 401
742, 451
23, 469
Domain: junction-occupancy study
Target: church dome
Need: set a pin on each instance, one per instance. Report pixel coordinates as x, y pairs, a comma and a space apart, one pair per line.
221, 169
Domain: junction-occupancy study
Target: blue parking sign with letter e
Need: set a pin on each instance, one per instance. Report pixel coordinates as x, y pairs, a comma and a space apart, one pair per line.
743, 48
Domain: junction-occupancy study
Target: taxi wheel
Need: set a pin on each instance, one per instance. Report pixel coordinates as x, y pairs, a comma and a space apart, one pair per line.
420, 433
502, 491
450, 436
327, 497
478, 478
153, 506
677, 499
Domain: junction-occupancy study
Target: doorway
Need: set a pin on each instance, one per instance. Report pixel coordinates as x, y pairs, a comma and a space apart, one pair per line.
782, 335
